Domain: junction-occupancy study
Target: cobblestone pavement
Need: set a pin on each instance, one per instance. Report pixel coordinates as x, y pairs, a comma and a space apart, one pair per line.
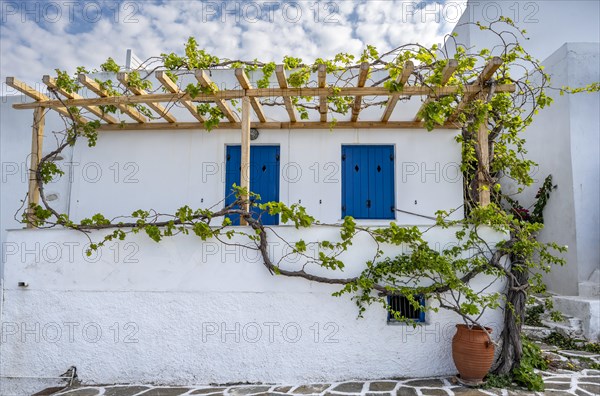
559, 382
570, 374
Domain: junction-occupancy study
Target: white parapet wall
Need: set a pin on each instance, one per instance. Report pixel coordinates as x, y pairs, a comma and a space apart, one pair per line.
185, 311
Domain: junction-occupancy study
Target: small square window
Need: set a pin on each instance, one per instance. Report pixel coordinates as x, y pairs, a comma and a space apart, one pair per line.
402, 305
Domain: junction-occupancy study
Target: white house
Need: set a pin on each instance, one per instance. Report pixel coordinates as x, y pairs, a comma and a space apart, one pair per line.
188, 311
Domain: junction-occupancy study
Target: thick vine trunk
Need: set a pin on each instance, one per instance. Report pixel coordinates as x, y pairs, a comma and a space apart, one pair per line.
514, 315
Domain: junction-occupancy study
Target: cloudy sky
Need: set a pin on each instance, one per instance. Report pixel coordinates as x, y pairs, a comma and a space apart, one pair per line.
38, 36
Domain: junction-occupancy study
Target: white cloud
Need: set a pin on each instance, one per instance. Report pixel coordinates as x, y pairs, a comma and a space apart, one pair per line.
29, 49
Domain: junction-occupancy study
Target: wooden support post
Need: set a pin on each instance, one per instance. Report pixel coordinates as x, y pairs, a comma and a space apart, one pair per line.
484, 164
245, 168
323, 107
37, 139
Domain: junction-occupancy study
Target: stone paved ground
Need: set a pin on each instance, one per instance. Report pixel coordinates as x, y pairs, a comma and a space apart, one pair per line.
560, 382
569, 375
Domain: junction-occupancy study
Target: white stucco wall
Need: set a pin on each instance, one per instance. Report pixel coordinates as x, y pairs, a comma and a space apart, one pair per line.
584, 68
15, 149
563, 139
166, 169
185, 311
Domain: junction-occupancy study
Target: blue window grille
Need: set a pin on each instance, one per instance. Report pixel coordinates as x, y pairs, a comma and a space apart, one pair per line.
368, 181
406, 309
264, 177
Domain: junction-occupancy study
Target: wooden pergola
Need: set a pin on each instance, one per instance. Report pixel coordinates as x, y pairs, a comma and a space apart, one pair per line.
250, 103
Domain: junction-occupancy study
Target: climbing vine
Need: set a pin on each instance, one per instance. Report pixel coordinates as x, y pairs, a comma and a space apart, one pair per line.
443, 277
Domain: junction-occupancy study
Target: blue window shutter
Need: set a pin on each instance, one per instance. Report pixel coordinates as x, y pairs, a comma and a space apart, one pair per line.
368, 181
232, 175
264, 176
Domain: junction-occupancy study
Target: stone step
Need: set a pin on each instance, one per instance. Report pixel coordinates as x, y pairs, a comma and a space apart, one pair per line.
586, 309
536, 332
569, 326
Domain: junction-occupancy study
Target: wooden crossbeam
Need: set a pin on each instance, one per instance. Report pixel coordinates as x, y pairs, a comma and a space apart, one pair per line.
173, 88
486, 74
95, 110
447, 72
409, 67
362, 79
245, 84
282, 80
323, 107
262, 93
276, 125
38, 96
206, 82
164, 113
97, 89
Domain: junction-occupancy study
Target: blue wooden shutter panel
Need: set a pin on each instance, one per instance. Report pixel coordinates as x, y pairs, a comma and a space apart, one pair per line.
264, 176
368, 181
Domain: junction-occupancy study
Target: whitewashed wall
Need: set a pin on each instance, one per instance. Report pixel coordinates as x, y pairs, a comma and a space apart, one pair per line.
564, 137
15, 149
564, 141
185, 311
166, 169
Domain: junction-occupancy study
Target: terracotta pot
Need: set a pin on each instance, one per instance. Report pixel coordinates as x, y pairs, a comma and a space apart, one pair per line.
473, 353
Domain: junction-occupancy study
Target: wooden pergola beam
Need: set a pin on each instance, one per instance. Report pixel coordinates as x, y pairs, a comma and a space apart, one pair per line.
275, 125
262, 93
408, 69
486, 74
447, 72
362, 79
206, 82
26, 89
283, 84
170, 86
240, 74
52, 84
164, 113
39, 97
323, 107
97, 89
